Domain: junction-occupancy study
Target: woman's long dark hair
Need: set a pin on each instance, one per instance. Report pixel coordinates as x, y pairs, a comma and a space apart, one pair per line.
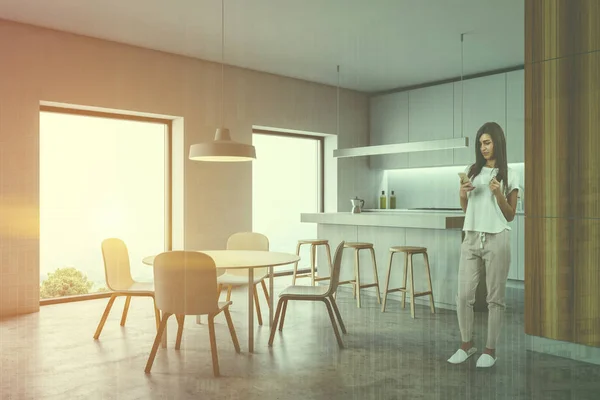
499, 140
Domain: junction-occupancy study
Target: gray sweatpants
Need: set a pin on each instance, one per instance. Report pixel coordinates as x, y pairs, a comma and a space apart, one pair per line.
492, 252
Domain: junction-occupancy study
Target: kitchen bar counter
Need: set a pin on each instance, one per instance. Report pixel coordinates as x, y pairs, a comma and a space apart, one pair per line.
440, 231
420, 219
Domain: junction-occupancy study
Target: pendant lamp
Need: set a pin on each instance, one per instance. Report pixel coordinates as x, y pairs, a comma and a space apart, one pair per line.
222, 148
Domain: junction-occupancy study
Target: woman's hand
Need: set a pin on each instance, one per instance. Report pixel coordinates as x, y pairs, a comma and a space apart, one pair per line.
495, 187
466, 188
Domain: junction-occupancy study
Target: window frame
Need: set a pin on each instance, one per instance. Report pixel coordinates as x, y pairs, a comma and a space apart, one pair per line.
168, 183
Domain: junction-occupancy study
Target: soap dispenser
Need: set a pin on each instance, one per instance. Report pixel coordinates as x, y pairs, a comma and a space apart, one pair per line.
392, 201
382, 200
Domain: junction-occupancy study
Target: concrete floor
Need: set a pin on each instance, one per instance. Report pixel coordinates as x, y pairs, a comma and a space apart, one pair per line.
52, 355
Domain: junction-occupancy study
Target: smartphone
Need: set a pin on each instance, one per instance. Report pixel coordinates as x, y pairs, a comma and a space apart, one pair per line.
464, 178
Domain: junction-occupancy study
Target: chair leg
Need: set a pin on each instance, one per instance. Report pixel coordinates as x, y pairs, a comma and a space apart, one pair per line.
275, 320
219, 289
257, 305
387, 282
229, 292
180, 320
234, 338
285, 302
213, 344
157, 340
296, 264
404, 280
156, 314
412, 287
125, 309
375, 275
337, 314
432, 304
104, 316
264, 286
333, 323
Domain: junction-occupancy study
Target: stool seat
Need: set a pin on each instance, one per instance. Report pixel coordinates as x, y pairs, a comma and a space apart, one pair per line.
358, 245
408, 249
316, 242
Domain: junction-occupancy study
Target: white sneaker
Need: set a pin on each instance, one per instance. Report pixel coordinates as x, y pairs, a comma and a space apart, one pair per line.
461, 356
485, 361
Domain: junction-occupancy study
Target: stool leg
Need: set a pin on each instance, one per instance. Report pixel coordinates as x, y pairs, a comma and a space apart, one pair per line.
412, 287
404, 280
313, 256
432, 304
387, 282
296, 264
328, 252
357, 276
376, 276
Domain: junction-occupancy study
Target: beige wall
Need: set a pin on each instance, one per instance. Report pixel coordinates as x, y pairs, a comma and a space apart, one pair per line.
44, 65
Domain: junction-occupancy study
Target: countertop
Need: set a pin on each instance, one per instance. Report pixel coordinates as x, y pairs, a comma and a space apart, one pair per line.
420, 219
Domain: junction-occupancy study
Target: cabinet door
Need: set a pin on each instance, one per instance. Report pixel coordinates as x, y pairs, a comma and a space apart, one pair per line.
389, 125
513, 272
515, 116
431, 117
521, 247
482, 100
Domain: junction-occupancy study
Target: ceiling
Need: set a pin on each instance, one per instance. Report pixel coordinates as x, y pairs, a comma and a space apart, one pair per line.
379, 44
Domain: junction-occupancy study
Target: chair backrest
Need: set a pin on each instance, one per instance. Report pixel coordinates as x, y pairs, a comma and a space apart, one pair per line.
185, 282
337, 266
248, 241
116, 264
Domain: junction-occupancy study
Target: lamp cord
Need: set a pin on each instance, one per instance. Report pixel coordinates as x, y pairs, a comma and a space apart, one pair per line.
222, 61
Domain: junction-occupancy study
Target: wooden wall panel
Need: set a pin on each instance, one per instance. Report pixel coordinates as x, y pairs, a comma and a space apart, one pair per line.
562, 170
560, 28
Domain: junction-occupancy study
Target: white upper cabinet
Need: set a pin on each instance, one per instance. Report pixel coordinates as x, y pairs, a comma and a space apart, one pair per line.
389, 125
515, 116
431, 116
484, 100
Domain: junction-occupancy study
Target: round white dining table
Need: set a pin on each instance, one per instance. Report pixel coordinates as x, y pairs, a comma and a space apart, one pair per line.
247, 259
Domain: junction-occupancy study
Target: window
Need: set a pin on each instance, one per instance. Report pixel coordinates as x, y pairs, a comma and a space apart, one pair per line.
287, 181
100, 177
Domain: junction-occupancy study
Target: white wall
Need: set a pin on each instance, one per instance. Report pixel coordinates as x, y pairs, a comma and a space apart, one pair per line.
45, 65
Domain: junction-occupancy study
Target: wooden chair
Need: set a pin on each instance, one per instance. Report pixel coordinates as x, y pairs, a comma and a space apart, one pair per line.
314, 293
239, 277
186, 284
118, 279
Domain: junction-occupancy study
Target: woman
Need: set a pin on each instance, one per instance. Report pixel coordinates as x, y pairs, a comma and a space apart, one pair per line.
489, 201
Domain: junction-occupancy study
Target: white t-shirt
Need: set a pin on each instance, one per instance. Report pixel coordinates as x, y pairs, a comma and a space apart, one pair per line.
483, 212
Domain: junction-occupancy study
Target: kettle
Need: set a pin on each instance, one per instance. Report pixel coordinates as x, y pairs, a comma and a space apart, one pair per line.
357, 205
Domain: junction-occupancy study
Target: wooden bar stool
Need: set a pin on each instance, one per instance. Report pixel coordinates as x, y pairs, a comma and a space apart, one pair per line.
313, 256
358, 246
409, 251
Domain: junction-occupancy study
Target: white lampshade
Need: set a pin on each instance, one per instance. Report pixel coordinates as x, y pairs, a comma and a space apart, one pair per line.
222, 149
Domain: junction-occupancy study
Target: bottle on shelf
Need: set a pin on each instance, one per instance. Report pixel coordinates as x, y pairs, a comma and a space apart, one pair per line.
392, 201
382, 200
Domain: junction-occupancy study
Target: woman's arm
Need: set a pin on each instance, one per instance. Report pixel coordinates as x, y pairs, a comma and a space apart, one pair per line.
465, 188
508, 205
464, 201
